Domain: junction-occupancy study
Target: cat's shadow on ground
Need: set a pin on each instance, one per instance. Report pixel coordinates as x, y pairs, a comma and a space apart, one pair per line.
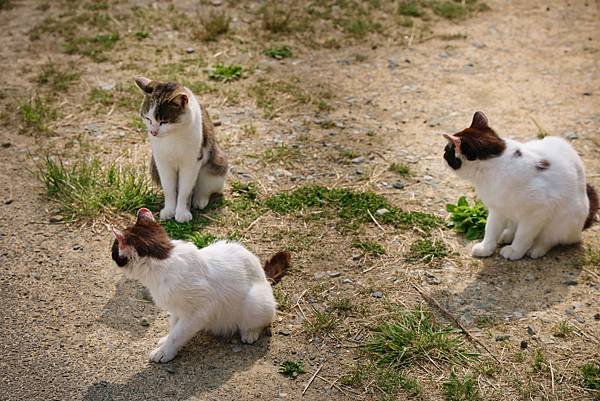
203, 365
128, 306
511, 289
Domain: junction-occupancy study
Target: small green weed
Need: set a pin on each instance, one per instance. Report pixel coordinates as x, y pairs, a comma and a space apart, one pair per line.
370, 247
359, 27
410, 8
466, 219
93, 47
291, 368
185, 231
411, 337
564, 329
101, 96
141, 35
539, 361
483, 321
36, 113
343, 305
357, 376
427, 250
278, 52
401, 169
226, 73
592, 257
450, 10
245, 190
280, 153
591, 375
56, 78
321, 322
87, 189
213, 26
389, 381
457, 389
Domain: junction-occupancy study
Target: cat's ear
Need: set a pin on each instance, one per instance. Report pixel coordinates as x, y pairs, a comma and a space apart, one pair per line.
181, 100
144, 84
453, 139
119, 236
145, 215
480, 121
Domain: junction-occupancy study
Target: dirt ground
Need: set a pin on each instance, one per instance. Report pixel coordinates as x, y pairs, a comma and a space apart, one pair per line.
74, 329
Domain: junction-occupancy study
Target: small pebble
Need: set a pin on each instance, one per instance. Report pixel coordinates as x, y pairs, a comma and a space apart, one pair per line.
189, 50
349, 281
502, 337
56, 218
570, 282
284, 333
77, 247
571, 136
8, 201
530, 330
358, 160
146, 295
377, 294
524, 344
398, 185
144, 322
381, 212
35, 275
335, 274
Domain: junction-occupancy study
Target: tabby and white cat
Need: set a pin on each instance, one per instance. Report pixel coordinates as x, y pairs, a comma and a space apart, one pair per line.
220, 289
186, 159
536, 191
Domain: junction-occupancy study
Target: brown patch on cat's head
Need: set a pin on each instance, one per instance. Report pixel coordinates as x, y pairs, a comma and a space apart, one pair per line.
169, 99
146, 238
478, 142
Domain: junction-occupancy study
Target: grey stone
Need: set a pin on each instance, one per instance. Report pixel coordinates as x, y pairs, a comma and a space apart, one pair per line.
146, 295
392, 64
531, 330
144, 322
517, 315
35, 275
377, 294
319, 275
335, 274
570, 282
284, 333
570, 135
190, 50
580, 319
56, 218
349, 281
358, 160
399, 185
170, 369
502, 337
381, 212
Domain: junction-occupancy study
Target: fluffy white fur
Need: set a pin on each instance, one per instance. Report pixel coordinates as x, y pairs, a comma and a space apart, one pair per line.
176, 150
220, 289
530, 209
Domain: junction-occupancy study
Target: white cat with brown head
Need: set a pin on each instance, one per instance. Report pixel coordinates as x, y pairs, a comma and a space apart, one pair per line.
186, 159
535, 192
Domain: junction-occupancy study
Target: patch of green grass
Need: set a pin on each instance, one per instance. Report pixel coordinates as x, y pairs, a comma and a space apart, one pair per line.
201, 240
87, 189
389, 381
370, 247
101, 96
36, 113
280, 153
245, 190
343, 305
450, 9
321, 322
213, 26
278, 52
457, 389
410, 8
349, 205
56, 78
357, 376
186, 231
93, 47
226, 73
592, 257
466, 219
427, 250
95, 5
292, 368
411, 336
141, 35
564, 329
359, 27
483, 321
401, 169
591, 375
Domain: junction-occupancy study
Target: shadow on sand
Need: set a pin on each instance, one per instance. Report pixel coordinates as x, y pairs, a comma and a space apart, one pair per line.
510, 289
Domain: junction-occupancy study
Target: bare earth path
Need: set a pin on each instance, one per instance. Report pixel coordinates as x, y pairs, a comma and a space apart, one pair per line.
71, 325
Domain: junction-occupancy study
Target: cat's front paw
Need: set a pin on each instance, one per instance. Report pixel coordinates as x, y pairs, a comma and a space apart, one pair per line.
167, 213
251, 335
183, 216
162, 354
200, 202
480, 250
510, 253
161, 341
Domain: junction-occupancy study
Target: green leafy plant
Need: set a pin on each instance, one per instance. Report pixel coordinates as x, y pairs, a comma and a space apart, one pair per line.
591, 375
466, 219
226, 73
292, 368
37, 113
278, 52
427, 250
465, 389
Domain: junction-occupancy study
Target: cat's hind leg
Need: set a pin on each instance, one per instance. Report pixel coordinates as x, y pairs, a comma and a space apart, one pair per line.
258, 312
525, 237
206, 185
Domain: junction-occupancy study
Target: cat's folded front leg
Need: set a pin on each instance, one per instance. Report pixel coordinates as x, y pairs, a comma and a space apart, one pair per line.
493, 228
179, 335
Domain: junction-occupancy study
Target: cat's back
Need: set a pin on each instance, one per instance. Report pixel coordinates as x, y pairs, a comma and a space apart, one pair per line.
554, 148
233, 259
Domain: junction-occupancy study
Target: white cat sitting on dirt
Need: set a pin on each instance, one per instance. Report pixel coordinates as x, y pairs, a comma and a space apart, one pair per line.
186, 159
536, 192
220, 289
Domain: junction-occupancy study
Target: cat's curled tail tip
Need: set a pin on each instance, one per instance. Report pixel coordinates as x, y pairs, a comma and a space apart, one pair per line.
593, 198
276, 267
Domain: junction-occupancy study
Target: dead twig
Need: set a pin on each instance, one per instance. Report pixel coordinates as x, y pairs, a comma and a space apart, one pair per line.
454, 320
376, 222
312, 379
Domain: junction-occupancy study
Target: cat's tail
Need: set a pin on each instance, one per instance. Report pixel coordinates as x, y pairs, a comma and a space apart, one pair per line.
276, 267
593, 198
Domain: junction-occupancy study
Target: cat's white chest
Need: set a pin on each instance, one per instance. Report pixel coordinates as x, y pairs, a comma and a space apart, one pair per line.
180, 150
